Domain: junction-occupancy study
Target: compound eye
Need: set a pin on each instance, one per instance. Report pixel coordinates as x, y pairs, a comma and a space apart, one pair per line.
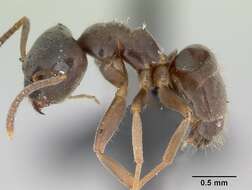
192, 58
40, 75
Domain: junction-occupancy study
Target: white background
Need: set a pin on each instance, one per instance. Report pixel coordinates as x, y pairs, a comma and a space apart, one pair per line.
55, 151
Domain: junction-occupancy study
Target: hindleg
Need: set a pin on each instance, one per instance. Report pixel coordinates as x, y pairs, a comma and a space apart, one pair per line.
169, 99
137, 139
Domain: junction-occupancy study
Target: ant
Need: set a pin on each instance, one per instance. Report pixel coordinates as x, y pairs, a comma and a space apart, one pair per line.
187, 82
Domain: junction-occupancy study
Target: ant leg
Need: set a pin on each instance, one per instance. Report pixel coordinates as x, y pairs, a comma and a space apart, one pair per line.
109, 125
24, 22
113, 69
82, 96
137, 142
169, 99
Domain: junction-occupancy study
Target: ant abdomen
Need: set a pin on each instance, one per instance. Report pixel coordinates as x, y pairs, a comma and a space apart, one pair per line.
197, 79
55, 51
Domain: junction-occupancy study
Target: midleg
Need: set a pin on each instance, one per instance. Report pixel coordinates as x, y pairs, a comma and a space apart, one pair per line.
138, 103
137, 134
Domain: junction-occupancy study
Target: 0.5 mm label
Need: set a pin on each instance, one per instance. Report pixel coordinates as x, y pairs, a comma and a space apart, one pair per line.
214, 181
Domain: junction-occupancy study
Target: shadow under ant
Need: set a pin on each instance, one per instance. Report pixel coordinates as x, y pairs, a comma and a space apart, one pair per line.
72, 153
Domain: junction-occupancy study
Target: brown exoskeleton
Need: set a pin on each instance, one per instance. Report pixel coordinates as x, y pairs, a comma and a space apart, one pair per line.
187, 82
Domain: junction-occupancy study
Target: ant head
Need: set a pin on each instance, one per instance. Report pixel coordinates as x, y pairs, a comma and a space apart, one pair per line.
52, 69
54, 52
